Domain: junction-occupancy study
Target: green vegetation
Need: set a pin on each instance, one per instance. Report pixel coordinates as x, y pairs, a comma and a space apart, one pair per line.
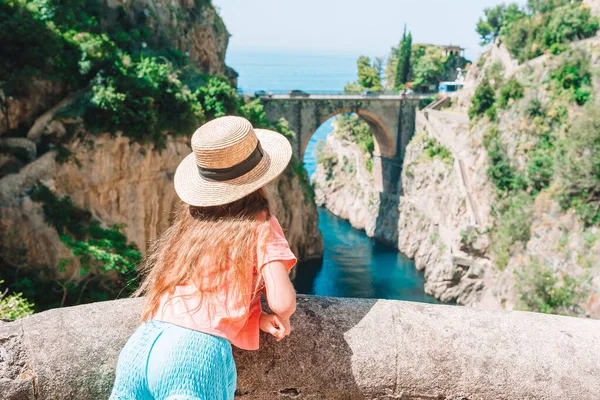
325, 158
138, 85
144, 100
543, 289
574, 77
512, 90
556, 144
513, 227
403, 61
14, 306
500, 170
99, 252
352, 127
483, 101
433, 148
428, 66
369, 76
579, 172
495, 19
542, 26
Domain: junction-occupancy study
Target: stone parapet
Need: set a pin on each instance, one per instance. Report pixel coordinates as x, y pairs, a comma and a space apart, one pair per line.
339, 349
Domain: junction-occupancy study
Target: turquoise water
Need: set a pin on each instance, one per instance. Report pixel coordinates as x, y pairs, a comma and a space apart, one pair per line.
355, 266
352, 265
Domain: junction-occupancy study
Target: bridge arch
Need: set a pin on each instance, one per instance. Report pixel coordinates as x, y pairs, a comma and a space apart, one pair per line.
383, 138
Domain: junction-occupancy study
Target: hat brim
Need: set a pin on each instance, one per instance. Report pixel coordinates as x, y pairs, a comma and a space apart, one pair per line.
195, 190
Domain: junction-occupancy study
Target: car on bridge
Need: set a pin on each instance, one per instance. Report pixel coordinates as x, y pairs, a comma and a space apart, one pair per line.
262, 93
298, 93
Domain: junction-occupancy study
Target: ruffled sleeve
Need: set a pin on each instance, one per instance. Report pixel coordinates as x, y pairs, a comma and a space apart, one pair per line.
273, 246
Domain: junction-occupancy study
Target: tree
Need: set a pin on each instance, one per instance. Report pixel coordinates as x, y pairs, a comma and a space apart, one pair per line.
368, 75
403, 63
428, 66
544, 6
483, 100
490, 26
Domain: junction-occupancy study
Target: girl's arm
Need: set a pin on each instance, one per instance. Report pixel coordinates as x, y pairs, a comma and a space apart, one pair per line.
279, 290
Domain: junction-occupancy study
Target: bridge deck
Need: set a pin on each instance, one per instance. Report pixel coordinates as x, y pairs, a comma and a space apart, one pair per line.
342, 97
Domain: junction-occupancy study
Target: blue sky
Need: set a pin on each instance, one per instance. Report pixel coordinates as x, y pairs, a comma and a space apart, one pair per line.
350, 27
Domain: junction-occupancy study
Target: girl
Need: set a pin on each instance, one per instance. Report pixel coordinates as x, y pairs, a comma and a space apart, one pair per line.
205, 274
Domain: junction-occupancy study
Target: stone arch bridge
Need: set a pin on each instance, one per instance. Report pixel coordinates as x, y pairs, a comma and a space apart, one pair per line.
391, 119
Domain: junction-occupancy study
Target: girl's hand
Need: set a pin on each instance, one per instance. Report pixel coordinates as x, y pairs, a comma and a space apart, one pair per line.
275, 325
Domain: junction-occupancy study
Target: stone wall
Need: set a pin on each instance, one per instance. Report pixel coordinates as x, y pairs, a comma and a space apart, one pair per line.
338, 349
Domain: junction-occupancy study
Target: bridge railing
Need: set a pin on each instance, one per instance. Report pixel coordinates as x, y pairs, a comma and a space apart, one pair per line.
339, 349
280, 92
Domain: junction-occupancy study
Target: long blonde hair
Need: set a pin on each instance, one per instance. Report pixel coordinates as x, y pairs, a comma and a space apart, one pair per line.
205, 242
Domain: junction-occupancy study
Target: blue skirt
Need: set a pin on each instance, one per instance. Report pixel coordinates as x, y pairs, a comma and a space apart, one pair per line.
163, 361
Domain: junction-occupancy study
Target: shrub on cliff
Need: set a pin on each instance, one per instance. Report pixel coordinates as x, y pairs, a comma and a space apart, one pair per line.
543, 289
579, 172
544, 25
512, 228
14, 305
483, 102
144, 100
352, 127
511, 90
433, 148
574, 77
99, 252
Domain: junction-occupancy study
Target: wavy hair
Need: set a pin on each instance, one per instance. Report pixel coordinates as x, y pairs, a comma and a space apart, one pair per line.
211, 247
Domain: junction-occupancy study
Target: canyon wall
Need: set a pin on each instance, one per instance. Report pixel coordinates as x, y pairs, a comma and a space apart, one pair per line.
123, 182
424, 221
482, 204
120, 179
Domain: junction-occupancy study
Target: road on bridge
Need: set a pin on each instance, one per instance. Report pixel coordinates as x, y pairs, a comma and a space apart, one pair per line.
344, 97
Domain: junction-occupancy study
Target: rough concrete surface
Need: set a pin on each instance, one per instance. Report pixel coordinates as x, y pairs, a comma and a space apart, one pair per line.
339, 349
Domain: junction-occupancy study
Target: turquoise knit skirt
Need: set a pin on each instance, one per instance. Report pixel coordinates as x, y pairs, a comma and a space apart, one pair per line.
164, 361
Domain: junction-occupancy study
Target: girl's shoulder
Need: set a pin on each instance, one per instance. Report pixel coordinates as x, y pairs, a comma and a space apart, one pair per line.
268, 220
269, 228
272, 244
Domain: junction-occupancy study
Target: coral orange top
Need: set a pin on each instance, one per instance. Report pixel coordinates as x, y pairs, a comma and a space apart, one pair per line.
235, 318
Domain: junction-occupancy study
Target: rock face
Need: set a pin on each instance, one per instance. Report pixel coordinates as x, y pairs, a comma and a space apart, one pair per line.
297, 213
432, 214
424, 221
345, 187
192, 26
338, 349
38, 97
123, 182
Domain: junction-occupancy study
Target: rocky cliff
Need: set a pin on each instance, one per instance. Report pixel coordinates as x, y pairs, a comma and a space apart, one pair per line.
70, 191
344, 185
125, 183
499, 209
192, 27
424, 221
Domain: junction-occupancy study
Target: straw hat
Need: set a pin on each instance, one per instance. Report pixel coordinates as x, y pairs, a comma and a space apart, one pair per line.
230, 160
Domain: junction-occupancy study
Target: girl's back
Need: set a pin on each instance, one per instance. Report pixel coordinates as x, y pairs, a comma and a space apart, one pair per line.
204, 276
